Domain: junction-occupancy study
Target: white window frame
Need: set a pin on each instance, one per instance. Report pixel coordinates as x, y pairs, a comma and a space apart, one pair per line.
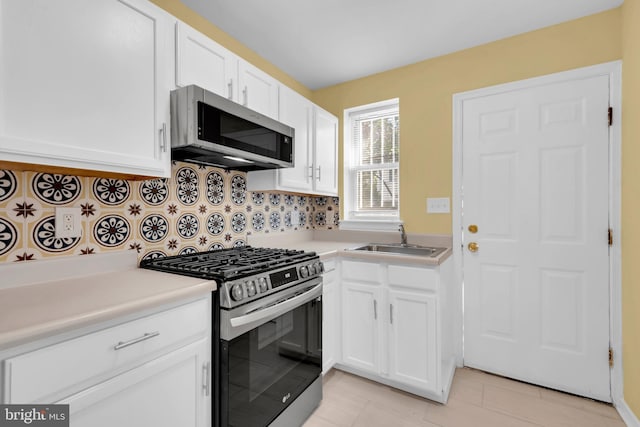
351, 220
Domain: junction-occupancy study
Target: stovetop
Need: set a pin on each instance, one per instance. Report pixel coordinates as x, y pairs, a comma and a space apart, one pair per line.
228, 264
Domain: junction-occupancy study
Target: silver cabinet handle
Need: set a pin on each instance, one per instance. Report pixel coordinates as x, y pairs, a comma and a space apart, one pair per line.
391, 313
311, 172
147, 336
163, 138
245, 92
230, 86
375, 309
318, 173
206, 385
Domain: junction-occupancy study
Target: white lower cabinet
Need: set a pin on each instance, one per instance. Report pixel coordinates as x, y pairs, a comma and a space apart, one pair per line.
395, 326
361, 327
413, 345
151, 370
330, 316
161, 393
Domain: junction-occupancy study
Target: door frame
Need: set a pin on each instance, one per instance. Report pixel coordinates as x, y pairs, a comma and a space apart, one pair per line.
614, 71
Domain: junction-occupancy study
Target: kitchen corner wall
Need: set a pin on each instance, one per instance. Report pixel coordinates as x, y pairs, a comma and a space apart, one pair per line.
199, 208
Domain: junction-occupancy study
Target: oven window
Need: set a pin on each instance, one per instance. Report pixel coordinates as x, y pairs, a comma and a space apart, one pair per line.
269, 366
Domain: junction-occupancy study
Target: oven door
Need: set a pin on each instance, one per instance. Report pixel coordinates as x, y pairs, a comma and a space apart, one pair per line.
266, 364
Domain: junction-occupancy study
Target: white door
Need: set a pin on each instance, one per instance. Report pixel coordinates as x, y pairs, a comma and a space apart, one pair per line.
535, 183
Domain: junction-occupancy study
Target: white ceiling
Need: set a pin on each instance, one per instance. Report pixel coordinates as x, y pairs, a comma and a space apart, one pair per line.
324, 42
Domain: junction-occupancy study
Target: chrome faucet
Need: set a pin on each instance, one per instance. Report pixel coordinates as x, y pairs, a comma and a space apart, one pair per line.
403, 235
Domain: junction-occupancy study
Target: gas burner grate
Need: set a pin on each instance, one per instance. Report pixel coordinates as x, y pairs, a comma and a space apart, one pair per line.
229, 263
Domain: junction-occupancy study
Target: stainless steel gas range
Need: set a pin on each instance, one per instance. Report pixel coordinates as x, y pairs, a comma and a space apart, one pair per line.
267, 339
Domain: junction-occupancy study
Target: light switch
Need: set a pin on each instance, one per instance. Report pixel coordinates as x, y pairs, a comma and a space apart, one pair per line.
438, 205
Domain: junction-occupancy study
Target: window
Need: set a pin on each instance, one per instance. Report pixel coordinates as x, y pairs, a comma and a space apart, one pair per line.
371, 169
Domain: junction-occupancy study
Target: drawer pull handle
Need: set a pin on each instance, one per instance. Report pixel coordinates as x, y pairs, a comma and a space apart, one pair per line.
147, 336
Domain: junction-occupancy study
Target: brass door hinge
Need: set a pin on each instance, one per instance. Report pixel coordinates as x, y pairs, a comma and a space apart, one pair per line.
610, 237
610, 116
610, 357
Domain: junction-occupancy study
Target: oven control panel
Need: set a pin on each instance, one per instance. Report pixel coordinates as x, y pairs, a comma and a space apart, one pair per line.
248, 289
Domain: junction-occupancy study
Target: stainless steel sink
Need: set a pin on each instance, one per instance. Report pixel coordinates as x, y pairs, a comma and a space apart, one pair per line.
397, 248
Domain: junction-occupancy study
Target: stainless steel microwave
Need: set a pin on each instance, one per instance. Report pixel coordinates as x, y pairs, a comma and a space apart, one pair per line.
209, 129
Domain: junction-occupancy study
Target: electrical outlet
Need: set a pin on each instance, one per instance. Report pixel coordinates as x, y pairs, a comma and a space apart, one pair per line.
68, 224
438, 205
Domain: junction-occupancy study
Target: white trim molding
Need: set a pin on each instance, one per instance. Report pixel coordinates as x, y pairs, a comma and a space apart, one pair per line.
614, 71
627, 414
370, 225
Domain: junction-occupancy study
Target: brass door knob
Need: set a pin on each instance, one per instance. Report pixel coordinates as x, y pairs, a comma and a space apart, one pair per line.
473, 228
473, 247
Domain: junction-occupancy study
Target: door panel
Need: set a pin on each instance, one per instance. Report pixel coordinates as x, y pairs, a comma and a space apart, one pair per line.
361, 326
413, 343
535, 179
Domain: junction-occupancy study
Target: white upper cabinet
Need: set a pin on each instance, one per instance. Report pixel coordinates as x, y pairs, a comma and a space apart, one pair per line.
316, 150
257, 90
203, 62
85, 84
297, 112
325, 148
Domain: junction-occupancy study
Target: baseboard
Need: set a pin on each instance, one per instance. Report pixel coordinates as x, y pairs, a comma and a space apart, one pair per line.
627, 414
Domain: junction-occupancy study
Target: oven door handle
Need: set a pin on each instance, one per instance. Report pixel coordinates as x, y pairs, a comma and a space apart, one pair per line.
277, 309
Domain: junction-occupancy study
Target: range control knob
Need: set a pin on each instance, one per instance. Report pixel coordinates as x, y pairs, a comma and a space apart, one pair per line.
251, 288
319, 267
304, 271
236, 292
312, 269
263, 285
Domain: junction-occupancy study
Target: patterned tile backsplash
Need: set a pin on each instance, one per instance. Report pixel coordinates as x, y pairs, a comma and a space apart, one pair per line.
199, 208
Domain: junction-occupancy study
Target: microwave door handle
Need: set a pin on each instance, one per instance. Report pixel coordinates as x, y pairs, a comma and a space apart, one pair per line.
278, 309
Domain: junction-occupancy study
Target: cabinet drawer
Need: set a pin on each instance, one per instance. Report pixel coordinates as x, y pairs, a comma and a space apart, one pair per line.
361, 271
413, 277
70, 365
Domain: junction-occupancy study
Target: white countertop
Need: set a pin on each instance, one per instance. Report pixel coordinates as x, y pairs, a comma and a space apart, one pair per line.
33, 307
337, 243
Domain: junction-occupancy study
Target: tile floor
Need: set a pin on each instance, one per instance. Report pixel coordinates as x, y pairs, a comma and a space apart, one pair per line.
477, 399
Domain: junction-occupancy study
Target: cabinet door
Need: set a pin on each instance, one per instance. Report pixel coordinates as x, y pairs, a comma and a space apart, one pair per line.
166, 392
85, 84
330, 321
325, 152
203, 62
296, 111
361, 326
257, 90
413, 348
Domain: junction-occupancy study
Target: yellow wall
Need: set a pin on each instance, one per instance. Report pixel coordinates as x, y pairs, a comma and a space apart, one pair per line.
425, 90
631, 202
182, 12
